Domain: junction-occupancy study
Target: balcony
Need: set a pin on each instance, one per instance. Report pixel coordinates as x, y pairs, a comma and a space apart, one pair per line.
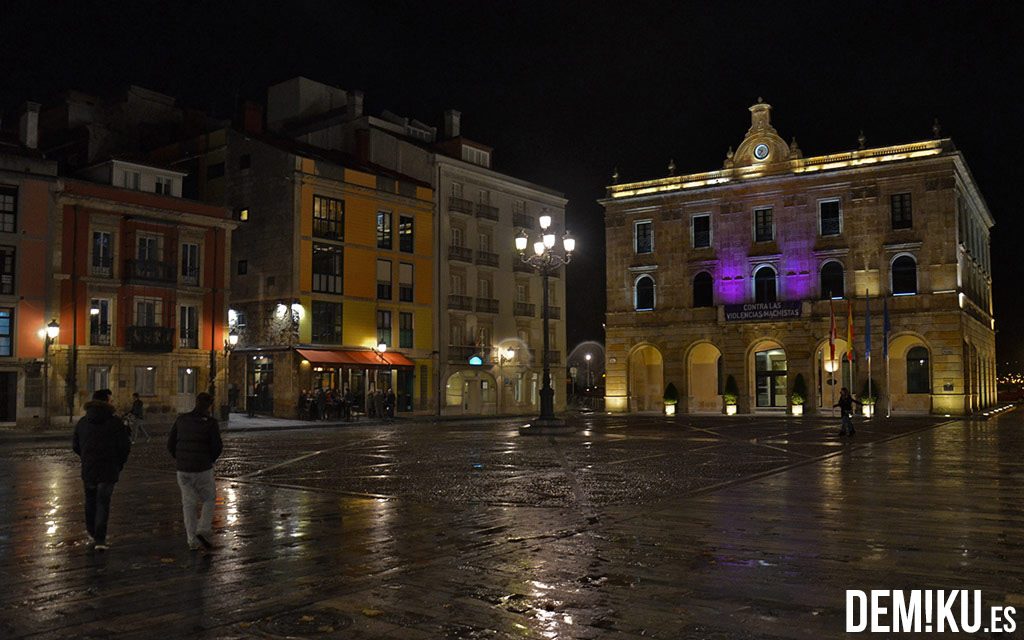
487, 212
460, 302
102, 267
554, 313
460, 205
461, 353
487, 258
150, 339
189, 339
190, 277
521, 267
522, 220
486, 305
526, 309
99, 335
149, 271
464, 254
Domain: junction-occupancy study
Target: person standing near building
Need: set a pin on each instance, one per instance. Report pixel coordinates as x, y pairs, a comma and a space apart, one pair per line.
845, 405
101, 440
389, 405
195, 444
138, 412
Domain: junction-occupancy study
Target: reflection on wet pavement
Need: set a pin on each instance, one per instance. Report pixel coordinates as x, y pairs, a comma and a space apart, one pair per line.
633, 527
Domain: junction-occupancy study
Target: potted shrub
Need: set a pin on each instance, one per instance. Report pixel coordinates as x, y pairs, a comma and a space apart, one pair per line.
731, 395
671, 398
799, 395
867, 400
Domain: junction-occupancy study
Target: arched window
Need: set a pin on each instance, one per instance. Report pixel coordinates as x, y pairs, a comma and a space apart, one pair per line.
904, 276
643, 293
764, 285
832, 285
917, 371
702, 290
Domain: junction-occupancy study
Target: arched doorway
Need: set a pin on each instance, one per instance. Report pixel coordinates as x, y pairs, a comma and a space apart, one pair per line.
770, 378
704, 376
646, 379
470, 393
910, 379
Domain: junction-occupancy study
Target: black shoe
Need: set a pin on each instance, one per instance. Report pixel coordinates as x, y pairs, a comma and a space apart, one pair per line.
203, 540
852, 432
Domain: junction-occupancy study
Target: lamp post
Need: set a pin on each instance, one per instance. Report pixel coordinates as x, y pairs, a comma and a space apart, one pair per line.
504, 356
587, 358
50, 334
546, 261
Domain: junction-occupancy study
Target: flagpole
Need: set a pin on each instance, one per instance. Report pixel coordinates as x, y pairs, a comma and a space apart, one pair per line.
832, 362
867, 339
885, 353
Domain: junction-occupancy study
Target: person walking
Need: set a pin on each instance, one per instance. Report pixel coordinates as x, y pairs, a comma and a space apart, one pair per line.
101, 440
389, 405
195, 444
845, 404
138, 412
378, 404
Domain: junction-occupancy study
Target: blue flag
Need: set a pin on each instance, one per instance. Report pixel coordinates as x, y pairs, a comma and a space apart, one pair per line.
867, 324
885, 328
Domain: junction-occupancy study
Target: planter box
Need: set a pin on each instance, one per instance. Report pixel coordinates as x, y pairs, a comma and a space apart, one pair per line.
730, 409
798, 409
670, 409
868, 410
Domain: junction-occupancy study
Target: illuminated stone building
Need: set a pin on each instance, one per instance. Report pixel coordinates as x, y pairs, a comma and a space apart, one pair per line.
733, 273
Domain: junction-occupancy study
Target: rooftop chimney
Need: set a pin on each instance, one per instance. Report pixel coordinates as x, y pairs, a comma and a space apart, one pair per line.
355, 104
252, 118
28, 129
452, 120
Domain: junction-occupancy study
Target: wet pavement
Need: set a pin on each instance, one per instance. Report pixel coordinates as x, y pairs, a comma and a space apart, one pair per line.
634, 527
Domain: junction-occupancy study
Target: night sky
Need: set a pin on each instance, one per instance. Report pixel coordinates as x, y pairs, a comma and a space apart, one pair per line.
566, 91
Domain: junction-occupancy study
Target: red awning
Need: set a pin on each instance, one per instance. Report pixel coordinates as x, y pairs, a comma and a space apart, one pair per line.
349, 357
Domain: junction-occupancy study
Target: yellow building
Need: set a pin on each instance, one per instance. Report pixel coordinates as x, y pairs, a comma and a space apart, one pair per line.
332, 281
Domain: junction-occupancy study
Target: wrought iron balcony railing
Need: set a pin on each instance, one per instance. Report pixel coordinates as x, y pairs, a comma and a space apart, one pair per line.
102, 267
464, 254
149, 339
149, 270
486, 305
460, 302
487, 258
524, 309
522, 220
99, 334
487, 212
189, 340
460, 204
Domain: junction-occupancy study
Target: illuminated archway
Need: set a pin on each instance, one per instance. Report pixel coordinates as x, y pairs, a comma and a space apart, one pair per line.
704, 378
646, 379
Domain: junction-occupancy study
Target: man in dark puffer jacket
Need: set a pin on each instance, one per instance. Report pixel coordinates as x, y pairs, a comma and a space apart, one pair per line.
195, 444
101, 440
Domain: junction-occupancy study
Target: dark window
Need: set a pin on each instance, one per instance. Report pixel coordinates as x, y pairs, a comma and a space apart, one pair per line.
405, 330
902, 217
703, 296
326, 322
644, 294
6, 331
405, 272
904, 276
701, 232
243, 267
102, 256
828, 214
328, 218
384, 279
764, 285
405, 237
383, 230
8, 209
384, 327
188, 327
244, 161
832, 284
764, 228
327, 268
644, 237
917, 371
214, 171
7, 270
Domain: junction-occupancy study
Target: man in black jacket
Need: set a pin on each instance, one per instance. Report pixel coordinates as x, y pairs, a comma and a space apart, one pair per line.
102, 442
195, 444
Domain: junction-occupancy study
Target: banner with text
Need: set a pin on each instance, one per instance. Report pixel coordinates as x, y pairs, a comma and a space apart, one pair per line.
762, 311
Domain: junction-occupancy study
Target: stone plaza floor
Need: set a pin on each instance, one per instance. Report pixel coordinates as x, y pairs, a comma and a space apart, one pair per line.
633, 527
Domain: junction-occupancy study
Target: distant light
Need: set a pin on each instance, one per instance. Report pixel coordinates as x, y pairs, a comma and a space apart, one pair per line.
94, 311
476, 361
188, 370
149, 368
381, 347
587, 357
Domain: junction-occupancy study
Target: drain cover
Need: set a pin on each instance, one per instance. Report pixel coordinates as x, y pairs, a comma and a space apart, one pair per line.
304, 624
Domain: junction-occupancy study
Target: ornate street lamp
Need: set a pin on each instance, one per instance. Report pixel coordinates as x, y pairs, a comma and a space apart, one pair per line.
50, 334
546, 260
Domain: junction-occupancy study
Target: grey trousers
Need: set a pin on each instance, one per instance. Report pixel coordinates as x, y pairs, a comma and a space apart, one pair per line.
198, 490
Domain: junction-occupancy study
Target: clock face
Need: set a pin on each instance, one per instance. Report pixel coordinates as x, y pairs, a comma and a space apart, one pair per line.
761, 151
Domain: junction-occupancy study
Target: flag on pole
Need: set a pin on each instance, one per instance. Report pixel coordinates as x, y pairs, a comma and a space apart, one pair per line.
885, 328
832, 332
867, 324
849, 332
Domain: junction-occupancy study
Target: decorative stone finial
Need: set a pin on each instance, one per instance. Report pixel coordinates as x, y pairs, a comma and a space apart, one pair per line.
794, 149
615, 175
760, 100
862, 140
671, 166
728, 158
936, 128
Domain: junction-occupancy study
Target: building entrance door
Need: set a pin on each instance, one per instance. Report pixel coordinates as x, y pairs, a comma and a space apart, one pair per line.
8, 396
770, 378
